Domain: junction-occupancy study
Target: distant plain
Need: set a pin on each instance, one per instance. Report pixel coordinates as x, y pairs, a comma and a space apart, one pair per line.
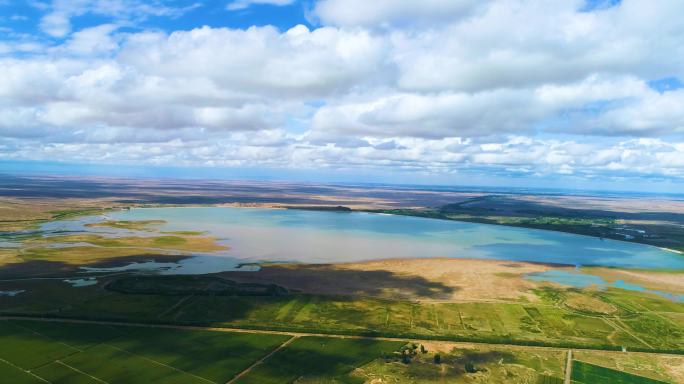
66, 257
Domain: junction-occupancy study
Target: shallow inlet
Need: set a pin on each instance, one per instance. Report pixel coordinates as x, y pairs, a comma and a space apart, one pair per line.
582, 280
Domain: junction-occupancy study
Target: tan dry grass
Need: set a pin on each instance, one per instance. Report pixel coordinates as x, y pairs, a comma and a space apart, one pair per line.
673, 367
441, 279
586, 303
20, 214
472, 279
166, 242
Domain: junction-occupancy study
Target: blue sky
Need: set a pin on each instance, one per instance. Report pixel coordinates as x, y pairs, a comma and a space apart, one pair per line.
25, 16
493, 92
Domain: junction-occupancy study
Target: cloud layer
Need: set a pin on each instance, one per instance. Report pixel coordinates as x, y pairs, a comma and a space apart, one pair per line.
500, 86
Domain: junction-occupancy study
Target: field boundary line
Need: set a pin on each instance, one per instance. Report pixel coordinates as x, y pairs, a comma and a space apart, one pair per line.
460, 318
49, 338
81, 372
23, 370
158, 363
568, 368
622, 326
620, 371
261, 361
667, 319
177, 304
50, 362
464, 343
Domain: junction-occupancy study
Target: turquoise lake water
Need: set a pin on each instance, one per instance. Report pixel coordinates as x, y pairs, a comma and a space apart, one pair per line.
582, 280
325, 237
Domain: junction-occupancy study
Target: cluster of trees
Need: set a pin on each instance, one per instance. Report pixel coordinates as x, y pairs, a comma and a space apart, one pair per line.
409, 351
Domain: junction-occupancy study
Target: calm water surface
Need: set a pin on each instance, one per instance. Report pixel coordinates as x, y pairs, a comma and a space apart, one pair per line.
324, 237
582, 280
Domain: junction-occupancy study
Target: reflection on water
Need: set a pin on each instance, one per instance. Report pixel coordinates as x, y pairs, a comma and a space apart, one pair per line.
195, 265
582, 280
325, 237
69, 245
273, 235
85, 282
572, 279
12, 293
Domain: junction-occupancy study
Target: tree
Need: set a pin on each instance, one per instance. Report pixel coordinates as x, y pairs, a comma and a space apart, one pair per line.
422, 349
438, 359
470, 368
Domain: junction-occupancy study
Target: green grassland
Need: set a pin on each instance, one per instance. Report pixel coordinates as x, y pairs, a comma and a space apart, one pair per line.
166, 242
637, 321
142, 225
481, 365
83, 255
138, 225
584, 373
192, 285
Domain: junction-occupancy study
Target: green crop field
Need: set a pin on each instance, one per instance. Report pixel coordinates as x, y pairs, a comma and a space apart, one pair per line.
666, 368
74, 353
61, 373
15, 375
585, 373
210, 355
638, 321
318, 360
125, 367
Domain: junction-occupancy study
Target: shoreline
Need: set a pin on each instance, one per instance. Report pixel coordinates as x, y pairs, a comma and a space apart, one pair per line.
353, 210
270, 206
667, 249
438, 258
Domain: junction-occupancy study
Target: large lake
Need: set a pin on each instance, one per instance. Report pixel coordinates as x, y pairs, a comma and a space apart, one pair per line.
324, 237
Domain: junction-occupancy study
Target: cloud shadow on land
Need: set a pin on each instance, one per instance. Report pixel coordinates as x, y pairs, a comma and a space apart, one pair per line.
38, 268
253, 305
332, 280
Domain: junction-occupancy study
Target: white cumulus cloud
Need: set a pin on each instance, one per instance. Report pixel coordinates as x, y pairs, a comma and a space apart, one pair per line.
237, 5
524, 87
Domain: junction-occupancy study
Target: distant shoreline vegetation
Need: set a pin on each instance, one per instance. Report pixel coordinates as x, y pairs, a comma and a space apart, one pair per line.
338, 208
593, 227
